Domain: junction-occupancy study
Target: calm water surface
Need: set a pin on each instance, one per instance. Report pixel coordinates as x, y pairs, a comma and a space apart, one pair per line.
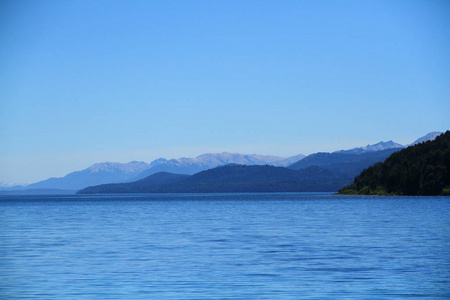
224, 246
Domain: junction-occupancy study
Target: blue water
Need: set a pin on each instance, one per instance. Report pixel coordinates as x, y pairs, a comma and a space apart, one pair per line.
224, 246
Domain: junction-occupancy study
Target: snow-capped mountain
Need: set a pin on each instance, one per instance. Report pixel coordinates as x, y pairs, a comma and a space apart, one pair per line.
158, 162
99, 173
207, 161
113, 172
389, 145
429, 137
351, 162
4, 184
370, 148
127, 168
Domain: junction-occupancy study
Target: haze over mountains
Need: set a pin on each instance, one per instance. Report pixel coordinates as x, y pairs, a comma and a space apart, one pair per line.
345, 163
371, 148
96, 174
320, 172
348, 165
109, 172
211, 160
10, 186
230, 179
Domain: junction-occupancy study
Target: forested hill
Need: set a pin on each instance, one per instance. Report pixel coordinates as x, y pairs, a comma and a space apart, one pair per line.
422, 169
231, 179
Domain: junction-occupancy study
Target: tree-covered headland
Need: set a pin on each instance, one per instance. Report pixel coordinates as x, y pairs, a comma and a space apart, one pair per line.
422, 169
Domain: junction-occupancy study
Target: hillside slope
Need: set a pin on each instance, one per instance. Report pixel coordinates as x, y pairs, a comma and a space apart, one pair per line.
422, 169
346, 164
231, 178
208, 161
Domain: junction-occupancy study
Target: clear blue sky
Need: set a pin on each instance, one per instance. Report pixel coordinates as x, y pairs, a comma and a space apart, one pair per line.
90, 81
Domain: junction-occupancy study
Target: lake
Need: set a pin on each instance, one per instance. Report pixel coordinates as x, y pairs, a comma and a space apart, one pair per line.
224, 246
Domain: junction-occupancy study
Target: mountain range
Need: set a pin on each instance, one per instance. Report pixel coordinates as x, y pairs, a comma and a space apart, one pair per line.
113, 172
345, 163
372, 148
230, 179
348, 165
96, 174
320, 172
211, 160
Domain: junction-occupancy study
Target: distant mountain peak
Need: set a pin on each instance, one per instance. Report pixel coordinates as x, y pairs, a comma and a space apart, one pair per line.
98, 173
7, 184
370, 148
131, 167
158, 162
185, 165
429, 137
389, 144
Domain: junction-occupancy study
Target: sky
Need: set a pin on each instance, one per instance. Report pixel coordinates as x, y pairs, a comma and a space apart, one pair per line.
83, 81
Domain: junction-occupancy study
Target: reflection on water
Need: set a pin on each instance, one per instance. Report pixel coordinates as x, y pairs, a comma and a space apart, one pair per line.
226, 246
